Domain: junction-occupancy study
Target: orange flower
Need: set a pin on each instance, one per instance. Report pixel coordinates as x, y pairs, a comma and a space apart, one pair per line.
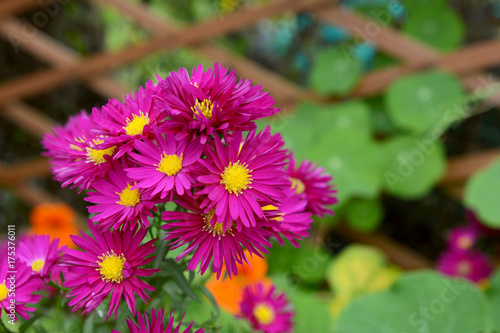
229, 292
55, 219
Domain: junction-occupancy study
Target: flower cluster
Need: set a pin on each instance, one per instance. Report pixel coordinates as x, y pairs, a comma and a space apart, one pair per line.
462, 258
190, 139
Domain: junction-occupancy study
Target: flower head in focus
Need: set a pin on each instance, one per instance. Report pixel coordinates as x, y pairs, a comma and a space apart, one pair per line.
205, 103
110, 263
42, 255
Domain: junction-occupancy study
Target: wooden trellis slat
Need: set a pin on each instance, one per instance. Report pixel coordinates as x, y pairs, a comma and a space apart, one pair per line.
12, 7
40, 81
27, 117
462, 167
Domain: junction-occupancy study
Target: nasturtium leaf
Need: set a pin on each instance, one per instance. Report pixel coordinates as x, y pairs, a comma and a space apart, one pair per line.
413, 165
493, 294
420, 302
481, 194
418, 102
363, 214
441, 27
417, 5
339, 138
335, 72
359, 269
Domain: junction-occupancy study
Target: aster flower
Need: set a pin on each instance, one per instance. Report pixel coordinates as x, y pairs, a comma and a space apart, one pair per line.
110, 263
295, 221
203, 103
165, 165
471, 264
118, 202
266, 310
240, 174
41, 254
156, 324
208, 240
77, 156
462, 238
312, 183
127, 122
17, 276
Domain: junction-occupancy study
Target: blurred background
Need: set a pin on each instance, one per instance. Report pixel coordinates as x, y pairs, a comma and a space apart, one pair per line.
396, 99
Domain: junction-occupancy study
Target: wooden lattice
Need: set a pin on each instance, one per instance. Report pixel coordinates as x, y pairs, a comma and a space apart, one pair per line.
67, 65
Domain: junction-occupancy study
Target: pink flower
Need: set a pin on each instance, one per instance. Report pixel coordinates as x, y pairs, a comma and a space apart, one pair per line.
204, 103
156, 324
266, 310
109, 264
471, 264
312, 183
78, 156
42, 255
209, 242
124, 123
118, 202
239, 175
17, 284
462, 238
165, 165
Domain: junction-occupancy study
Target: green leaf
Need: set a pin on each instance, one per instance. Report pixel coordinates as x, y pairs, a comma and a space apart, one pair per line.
364, 214
440, 27
420, 302
335, 72
179, 278
413, 166
27, 324
338, 138
481, 194
493, 294
417, 102
161, 251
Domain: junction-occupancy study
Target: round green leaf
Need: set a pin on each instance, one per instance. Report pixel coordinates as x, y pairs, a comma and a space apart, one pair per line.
481, 194
420, 302
439, 27
364, 214
493, 294
338, 138
335, 72
419, 5
413, 166
420, 101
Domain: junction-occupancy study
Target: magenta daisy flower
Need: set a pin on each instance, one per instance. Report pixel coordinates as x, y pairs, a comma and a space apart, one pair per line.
462, 238
17, 286
165, 165
240, 174
41, 254
77, 156
203, 103
471, 264
266, 310
312, 183
295, 221
209, 242
110, 263
156, 324
132, 120
118, 203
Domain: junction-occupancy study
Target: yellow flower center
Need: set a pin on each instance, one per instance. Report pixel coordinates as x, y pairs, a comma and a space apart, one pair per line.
217, 228
111, 267
298, 185
464, 242
205, 107
129, 197
464, 268
236, 177
263, 313
37, 265
96, 156
3, 291
170, 164
136, 125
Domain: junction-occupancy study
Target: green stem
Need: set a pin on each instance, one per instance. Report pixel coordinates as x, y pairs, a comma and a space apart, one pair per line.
5, 327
